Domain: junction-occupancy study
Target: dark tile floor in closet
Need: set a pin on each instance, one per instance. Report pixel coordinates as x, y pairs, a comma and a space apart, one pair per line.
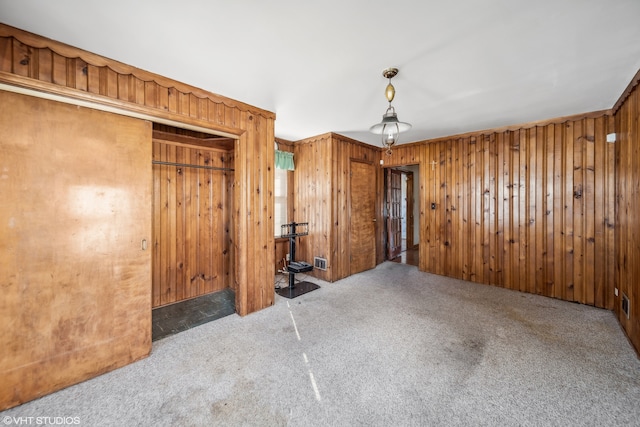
178, 317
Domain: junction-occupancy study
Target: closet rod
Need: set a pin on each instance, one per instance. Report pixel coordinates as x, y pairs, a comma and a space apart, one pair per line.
158, 162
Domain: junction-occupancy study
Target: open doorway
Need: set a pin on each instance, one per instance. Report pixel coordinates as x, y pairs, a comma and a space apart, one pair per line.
192, 251
402, 214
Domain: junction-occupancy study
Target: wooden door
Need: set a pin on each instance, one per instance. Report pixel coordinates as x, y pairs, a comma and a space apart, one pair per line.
394, 213
362, 219
75, 271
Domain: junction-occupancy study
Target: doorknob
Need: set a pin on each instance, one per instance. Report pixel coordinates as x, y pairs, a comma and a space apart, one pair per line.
374, 220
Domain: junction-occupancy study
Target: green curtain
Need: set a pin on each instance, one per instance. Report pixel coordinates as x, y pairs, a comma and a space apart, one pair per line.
284, 160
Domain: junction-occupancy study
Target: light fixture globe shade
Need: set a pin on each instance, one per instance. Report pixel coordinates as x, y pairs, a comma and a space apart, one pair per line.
389, 134
389, 127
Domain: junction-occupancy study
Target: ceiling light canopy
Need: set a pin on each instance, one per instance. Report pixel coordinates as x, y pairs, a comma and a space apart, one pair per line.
390, 127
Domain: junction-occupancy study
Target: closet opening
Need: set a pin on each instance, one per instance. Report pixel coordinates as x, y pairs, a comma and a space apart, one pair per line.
192, 240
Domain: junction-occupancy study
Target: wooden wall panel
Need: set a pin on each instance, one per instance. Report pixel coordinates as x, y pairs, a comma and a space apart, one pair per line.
313, 200
322, 178
34, 62
75, 279
254, 163
192, 214
627, 166
525, 208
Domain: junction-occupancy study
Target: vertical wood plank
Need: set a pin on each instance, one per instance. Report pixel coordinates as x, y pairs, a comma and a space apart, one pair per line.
578, 211
523, 265
610, 217
501, 197
457, 217
559, 212
471, 218
589, 279
180, 223
434, 165
600, 220
549, 211
45, 64
486, 203
59, 70
165, 296
540, 209
6, 60
493, 217
532, 189
156, 269
81, 75
171, 291
508, 211
569, 174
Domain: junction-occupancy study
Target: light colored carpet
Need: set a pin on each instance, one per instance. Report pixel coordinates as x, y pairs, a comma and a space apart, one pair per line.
388, 347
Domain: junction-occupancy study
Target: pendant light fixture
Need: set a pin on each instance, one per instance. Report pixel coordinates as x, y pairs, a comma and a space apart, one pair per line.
390, 127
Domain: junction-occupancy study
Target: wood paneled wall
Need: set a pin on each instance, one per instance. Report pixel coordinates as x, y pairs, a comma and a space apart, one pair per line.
322, 178
627, 117
253, 214
528, 208
34, 62
313, 201
192, 229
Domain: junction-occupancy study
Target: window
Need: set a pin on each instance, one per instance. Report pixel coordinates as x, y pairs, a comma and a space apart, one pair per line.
280, 196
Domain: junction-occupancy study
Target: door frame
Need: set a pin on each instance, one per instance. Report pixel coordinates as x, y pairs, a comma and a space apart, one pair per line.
410, 201
410, 220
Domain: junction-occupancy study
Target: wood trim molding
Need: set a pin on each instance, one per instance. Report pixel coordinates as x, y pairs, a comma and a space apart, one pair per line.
284, 144
321, 137
38, 42
59, 93
348, 140
528, 125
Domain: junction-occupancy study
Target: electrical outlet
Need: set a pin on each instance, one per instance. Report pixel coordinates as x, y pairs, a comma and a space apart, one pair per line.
320, 263
288, 257
615, 291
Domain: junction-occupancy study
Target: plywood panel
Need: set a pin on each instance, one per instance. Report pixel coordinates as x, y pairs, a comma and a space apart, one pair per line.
74, 274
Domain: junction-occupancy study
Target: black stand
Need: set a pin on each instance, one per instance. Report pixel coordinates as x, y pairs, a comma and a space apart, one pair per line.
292, 231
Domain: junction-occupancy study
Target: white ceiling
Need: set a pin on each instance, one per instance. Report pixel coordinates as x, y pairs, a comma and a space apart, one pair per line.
464, 64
